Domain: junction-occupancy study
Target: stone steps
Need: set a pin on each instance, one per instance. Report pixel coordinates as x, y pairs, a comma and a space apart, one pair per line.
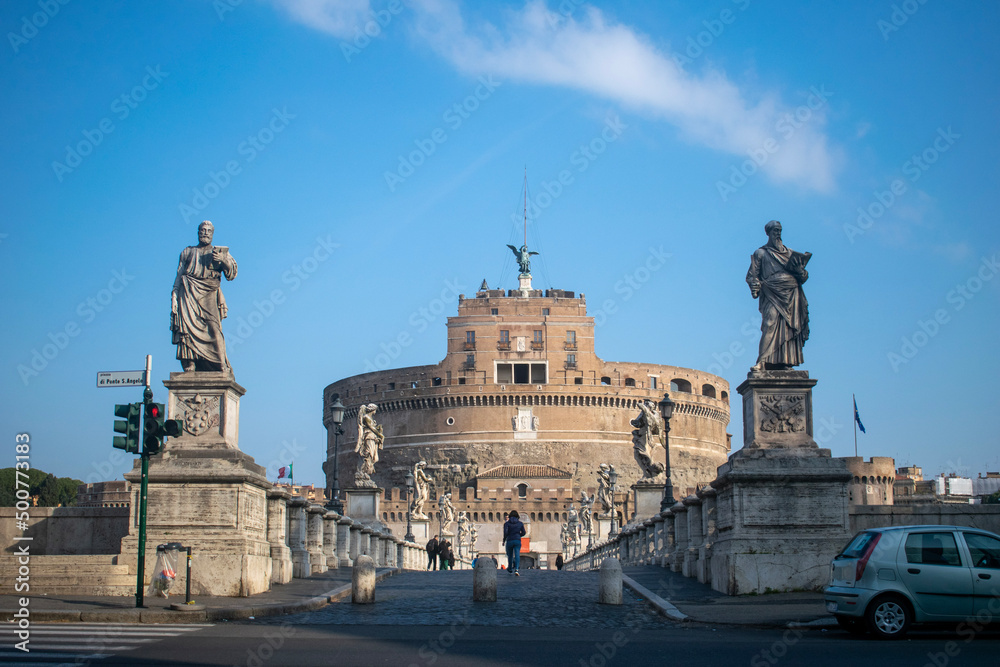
74, 575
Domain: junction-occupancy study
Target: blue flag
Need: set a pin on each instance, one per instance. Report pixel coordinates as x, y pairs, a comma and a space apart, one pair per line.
857, 417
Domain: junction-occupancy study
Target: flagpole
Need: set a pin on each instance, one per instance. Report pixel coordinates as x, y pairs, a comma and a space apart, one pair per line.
854, 418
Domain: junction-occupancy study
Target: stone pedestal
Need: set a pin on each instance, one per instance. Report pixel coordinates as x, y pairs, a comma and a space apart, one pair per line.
344, 541
602, 527
781, 511
298, 523
777, 410
363, 505
354, 542
421, 530
330, 539
314, 538
204, 492
277, 536
646, 498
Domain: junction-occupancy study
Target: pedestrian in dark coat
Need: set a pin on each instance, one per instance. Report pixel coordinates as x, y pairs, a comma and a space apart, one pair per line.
559, 562
432, 552
513, 531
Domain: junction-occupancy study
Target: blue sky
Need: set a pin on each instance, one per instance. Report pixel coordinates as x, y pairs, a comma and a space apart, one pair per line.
362, 180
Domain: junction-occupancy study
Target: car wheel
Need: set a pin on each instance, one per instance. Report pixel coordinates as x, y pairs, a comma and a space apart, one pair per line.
854, 626
889, 617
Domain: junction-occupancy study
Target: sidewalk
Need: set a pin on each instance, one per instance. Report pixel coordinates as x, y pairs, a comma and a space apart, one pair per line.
699, 603
298, 595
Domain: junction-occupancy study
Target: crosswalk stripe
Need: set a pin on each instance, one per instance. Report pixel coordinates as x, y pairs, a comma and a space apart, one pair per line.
54, 643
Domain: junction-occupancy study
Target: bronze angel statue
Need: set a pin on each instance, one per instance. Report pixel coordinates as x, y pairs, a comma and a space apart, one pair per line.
523, 258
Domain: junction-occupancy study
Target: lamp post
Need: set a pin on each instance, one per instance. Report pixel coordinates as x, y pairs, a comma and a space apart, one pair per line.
613, 477
337, 417
667, 410
409, 508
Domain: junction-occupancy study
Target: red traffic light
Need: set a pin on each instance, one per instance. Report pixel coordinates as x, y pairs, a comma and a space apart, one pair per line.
154, 411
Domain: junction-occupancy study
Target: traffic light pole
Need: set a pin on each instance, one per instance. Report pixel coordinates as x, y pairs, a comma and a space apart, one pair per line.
147, 398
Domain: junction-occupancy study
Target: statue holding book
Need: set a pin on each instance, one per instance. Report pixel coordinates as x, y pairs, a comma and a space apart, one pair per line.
775, 278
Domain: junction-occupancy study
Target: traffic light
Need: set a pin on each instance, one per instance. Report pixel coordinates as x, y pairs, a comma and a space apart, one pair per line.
153, 427
129, 425
156, 427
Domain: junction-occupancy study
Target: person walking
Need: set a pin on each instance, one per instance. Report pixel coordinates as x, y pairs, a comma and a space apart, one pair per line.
444, 553
449, 556
432, 551
559, 562
513, 531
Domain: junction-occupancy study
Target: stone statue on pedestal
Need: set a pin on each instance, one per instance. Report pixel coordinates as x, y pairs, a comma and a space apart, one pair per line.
775, 277
447, 511
604, 492
647, 435
421, 482
370, 441
586, 509
473, 536
463, 524
197, 306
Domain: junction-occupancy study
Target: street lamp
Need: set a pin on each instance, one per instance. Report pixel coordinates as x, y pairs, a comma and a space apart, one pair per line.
409, 508
337, 417
667, 410
613, 477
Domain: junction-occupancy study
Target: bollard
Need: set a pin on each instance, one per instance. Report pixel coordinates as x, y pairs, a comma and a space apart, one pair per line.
363, 581
484, 581
611, 582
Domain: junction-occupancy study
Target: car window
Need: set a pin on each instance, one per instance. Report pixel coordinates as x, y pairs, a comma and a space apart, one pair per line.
932, 549
857, 545
985, 550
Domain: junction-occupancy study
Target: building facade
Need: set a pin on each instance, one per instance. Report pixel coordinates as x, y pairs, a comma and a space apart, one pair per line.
521, 383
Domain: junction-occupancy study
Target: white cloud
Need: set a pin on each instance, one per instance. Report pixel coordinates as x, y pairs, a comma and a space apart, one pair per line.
538, 46
337, 17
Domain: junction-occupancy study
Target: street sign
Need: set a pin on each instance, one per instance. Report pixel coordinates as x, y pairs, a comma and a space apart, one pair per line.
121, 379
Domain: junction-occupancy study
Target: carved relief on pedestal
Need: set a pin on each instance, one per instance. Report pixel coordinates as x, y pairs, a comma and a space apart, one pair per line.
782, 413
200, 413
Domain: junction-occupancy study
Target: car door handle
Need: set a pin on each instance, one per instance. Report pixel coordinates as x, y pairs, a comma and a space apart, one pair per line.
985, 576
913, 570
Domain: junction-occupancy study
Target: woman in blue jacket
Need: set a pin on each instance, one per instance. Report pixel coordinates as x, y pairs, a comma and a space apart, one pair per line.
513, 529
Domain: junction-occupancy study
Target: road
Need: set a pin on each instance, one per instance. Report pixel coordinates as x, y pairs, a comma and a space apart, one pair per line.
541, 618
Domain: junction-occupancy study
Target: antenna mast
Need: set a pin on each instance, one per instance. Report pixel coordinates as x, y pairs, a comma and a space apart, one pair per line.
526, 205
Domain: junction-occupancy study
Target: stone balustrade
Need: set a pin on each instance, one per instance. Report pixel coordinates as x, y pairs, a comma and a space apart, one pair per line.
306, 538
679, 538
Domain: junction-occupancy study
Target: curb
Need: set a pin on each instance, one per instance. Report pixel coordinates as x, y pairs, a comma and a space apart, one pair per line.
661, 605
167, 616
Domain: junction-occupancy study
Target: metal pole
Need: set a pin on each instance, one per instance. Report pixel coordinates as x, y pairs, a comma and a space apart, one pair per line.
187, 592
668, 489
409, 512
147, 397
335, 502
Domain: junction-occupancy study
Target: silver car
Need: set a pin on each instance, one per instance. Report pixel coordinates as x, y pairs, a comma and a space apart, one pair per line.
887, 578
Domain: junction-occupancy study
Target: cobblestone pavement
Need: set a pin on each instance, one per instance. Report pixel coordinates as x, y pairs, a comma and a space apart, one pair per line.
538, 598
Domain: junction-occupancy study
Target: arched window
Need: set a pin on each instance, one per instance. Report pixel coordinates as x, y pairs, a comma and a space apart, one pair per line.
605, 380
548, 516
629, 382
708, 390
725, 396
680, 384
522, 490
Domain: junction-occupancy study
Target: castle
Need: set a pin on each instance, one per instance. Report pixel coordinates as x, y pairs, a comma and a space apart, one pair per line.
521, 412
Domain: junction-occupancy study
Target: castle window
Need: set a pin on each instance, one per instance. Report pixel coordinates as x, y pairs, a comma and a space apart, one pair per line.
652, 382
521, 373
725, 396
470, 361
392, 386
522, 490
571, 337
545, 312
571, 361
678, 384
605, 380
436, 382
577, 380
538, 336
505, 336
708, 390
461, 380
494, 311
629, 382
413, 385
470, 340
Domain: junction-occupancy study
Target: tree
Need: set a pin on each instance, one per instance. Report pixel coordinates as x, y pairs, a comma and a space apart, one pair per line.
52, 491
